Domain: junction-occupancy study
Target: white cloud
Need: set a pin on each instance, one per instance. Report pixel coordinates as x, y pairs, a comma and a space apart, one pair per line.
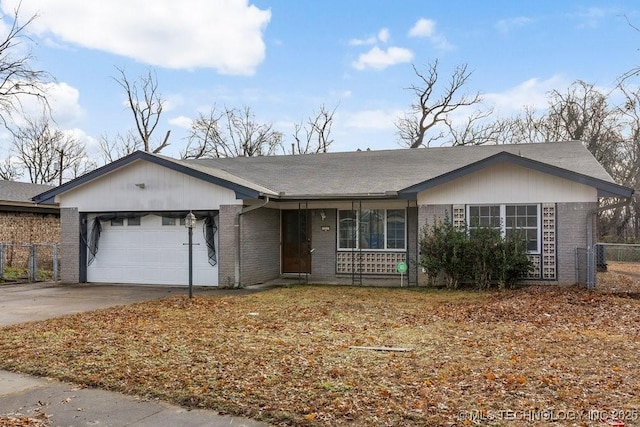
380, 59
65, 103
592, 16
426, 28
226, 35
530, 93
382, 36
363, 42
181, 122
372, 119
423, 28
507, 25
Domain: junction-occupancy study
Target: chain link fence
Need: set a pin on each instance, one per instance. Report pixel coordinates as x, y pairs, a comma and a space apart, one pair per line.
29, 262
621, 252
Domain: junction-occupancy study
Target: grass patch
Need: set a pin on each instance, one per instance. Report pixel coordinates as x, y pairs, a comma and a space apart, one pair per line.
283, 356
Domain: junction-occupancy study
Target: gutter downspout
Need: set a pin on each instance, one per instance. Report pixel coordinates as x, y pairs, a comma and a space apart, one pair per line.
237, 278
591, 270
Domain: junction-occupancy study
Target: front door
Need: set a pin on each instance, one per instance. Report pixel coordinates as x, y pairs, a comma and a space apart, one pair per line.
296, 241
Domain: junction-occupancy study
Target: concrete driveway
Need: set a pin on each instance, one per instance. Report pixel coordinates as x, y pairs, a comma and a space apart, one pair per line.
69, 405
27, 302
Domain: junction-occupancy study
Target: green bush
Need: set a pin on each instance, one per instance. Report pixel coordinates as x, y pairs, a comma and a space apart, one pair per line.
482, 256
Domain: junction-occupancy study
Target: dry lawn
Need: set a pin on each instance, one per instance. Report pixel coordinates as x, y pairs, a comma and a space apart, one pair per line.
621, 277
518, 357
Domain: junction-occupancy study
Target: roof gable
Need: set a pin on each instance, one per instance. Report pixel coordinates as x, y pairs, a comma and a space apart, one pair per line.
605, 188
223, 179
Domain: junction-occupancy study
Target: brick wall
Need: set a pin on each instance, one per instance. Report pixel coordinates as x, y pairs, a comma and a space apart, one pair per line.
260, 257
227, 244
413, 230
18, 228
572, 234
70, 245
427, 214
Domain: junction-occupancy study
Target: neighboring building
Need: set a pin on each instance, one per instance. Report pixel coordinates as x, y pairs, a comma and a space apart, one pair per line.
334, 217
24, 222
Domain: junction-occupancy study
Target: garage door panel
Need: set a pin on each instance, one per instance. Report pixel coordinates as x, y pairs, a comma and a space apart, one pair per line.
151, 253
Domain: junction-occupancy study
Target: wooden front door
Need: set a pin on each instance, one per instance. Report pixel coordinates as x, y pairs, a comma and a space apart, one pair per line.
296, 241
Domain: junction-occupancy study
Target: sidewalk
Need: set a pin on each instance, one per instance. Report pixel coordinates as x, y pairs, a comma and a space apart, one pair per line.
69, 405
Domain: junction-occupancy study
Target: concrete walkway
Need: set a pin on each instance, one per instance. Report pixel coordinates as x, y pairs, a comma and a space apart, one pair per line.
69, 405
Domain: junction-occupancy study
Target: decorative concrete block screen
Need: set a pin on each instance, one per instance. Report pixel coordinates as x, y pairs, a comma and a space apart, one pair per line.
369, 262
549, 241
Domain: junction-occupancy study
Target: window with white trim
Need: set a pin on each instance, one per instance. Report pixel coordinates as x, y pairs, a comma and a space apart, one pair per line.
524, 219
373, 229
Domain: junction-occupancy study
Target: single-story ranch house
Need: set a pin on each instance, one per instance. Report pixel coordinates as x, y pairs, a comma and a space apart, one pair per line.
332, 217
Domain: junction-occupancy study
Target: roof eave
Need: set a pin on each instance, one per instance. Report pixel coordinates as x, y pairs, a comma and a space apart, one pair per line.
242, 192
605, 188
388, 195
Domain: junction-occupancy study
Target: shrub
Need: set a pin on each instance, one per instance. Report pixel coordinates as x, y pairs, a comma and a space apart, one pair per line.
513, 263
444, 251
480, 255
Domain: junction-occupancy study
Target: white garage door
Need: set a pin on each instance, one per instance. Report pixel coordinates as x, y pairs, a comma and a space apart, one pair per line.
153, 252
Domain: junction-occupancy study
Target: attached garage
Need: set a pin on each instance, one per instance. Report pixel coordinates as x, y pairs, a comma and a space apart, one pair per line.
125, 223
152, 249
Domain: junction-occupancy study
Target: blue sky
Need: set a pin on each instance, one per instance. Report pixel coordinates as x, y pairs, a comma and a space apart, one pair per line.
285, 58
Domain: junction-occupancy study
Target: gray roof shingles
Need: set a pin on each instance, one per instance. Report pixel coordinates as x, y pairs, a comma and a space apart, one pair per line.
386, 173
378, 172
23, 192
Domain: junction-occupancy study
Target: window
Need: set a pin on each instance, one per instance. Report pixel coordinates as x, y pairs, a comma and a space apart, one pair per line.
168, 221
484, 216
347, 229
173, 221
524, 219
133, 221
374, 229
395, 229
118, 222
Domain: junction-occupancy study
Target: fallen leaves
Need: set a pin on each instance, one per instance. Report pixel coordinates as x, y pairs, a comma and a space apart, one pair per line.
284, 355
19, 420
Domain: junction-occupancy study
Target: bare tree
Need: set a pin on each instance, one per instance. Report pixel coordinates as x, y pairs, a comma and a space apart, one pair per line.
9, 171
204, 139
48, 155
231, 133
17, 78
478, 129
112, 149
146, 105
635, 71
433, 105
314, 135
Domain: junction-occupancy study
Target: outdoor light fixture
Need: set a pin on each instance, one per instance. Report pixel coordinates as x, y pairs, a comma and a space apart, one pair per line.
323, 215
190, 222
